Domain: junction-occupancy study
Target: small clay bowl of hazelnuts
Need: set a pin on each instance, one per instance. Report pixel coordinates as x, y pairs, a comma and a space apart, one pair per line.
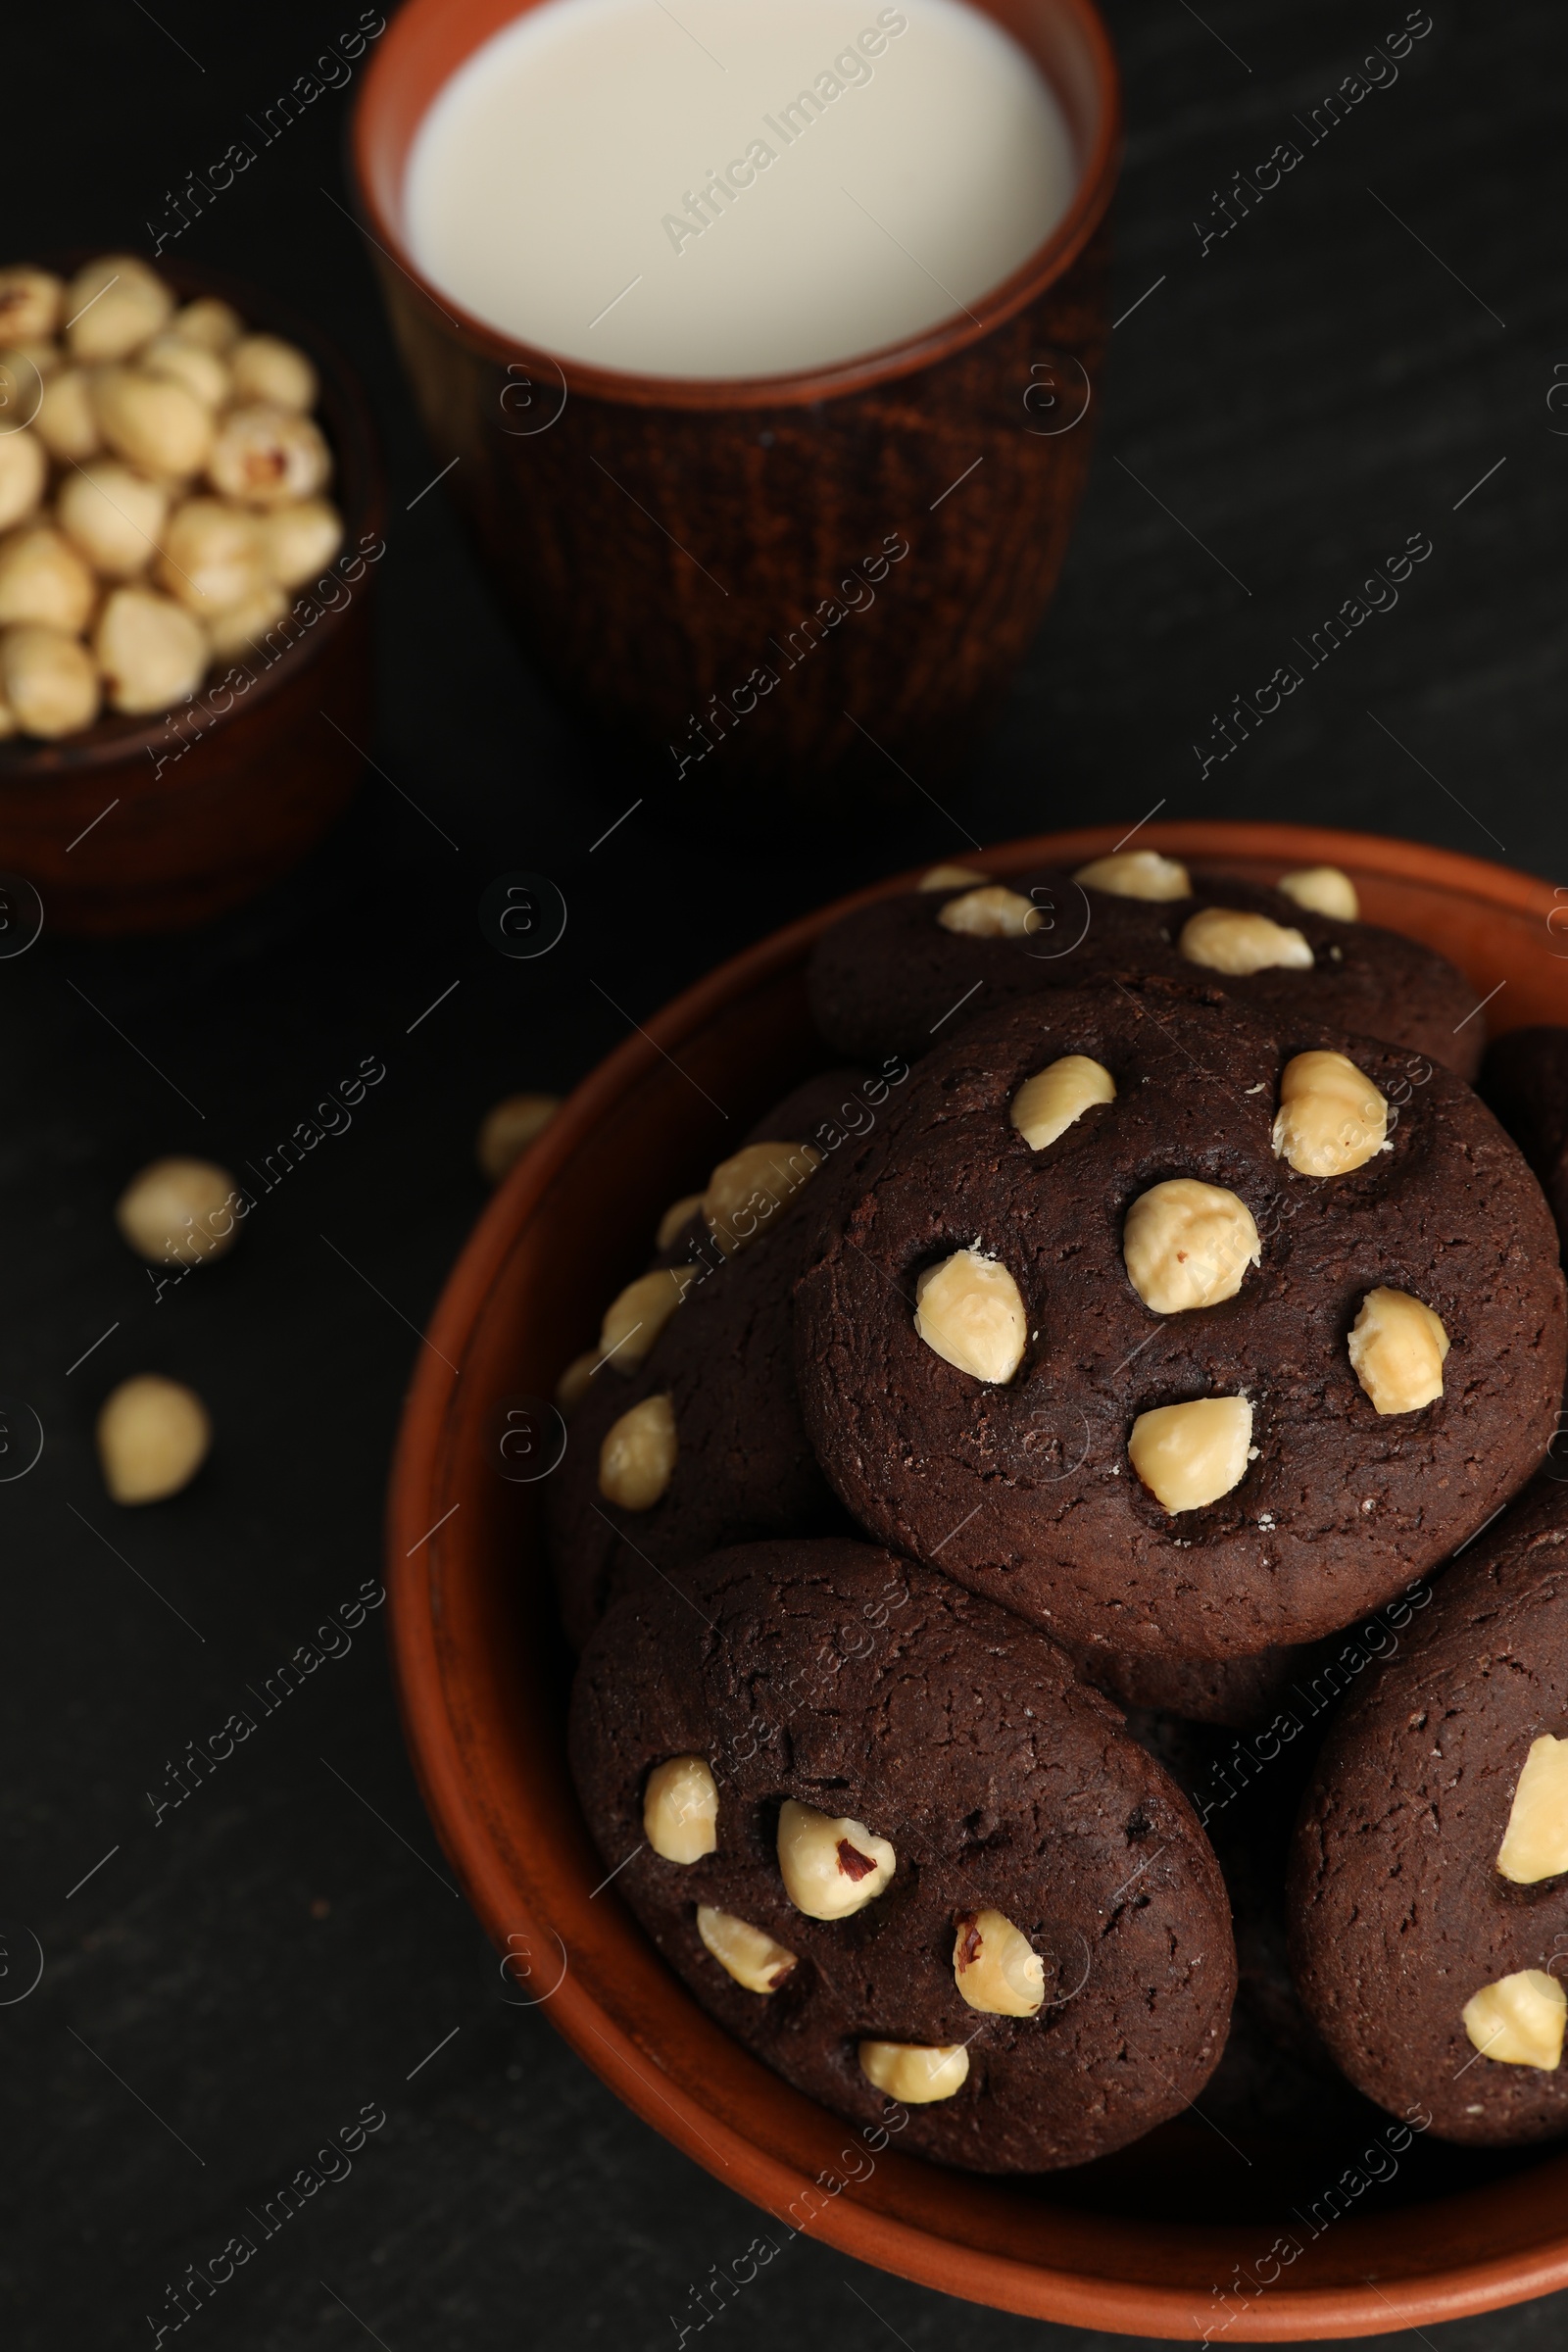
191, 514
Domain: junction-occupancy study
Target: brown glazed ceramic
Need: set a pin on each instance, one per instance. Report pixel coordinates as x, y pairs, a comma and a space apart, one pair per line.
161, 822
1144, 2243
661, 543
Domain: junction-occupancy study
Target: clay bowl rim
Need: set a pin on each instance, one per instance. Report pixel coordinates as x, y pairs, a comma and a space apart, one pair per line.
439, 1731
1045, 266
28, 763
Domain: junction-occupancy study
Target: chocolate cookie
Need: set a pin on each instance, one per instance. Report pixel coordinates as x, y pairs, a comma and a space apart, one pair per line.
1082, 1338
874, 1824
1525, 1079
1240, 1692
1428, 1883
891, 976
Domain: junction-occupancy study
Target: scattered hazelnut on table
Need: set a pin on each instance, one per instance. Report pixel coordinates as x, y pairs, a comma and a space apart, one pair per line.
43, 579
1137, 874
114, 516
112, 305
830, 1867
1331, 1118
749, 1954
914, 2073
680, 1809
509, 1127
149, 649
1397, 1347
746, 1192
1190, 1454
992, 912
23, 470
1323, 890
637, 1459
1222, 940
969, 1311
996, 1967
153, 1436
170, 1213
1187, 1244
48, 680
1047, 1105
1519, 2020
1535, 1844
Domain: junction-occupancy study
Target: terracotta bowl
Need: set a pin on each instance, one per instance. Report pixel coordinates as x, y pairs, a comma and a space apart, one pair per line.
1142, 2242
146, 824
659, 542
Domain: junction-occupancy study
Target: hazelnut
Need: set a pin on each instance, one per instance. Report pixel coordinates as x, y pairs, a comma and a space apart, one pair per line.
48, 680
267, 456
1323, 890
210, 557
66, 422
914, 2073
202, 372
112, 305
209, 322
747, 1191
1190, 1454
951, 877
575, 1383
180, 1212
675, 1219
150, 651
1137, 874
680, 1809
969, 1311
991, 913
830, 1867
299, 540
41, 359
634, 1320
114, 516
1397, 1347
509, 1127
8, 719
1535, 1844
151, 420
1188, 1243
266, 368
30, 304
637, 1459
245, 624
1224, 941
996, 1966
1047, 1105
1519, 2020
24, 469
43, 579
749, 1954
1331, 1117
153, 1436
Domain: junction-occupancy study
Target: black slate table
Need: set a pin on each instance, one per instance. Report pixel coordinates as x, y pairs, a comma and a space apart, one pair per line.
231, 1982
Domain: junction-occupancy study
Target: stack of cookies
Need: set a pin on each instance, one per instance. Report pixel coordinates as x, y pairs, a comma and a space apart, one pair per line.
1150, 1300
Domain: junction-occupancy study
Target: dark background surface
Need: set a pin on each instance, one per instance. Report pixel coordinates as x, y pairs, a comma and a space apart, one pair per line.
234, 1985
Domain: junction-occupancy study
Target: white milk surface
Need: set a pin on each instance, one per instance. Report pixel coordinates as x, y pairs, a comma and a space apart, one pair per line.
877, 171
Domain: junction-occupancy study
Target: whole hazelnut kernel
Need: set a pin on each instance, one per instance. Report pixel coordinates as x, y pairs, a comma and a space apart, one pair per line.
1397, 1347
8, 719
634, 1320
1535, 1844
30, 304
914, 2073
210, 557
680, 1809
267, 456
746, 1192
1137, 874
1331, 1118
1190, 1454
180, 1212
66, 422
830, 1867
675, 1219
115, 517
969, 1311
1187, 1244
23, 470
299, 540
149, 649
1222, 940
151, 420
951, 877
43, 579
112, 305
1323, 890
213, 324
1519, 2020
575, 1383
34, 359
266, 368
996, 1967
749, 1954
153, 1436
202, 372
991, 913
509, 1127
637, 1459
231, 634
1047, 1105
49, 681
